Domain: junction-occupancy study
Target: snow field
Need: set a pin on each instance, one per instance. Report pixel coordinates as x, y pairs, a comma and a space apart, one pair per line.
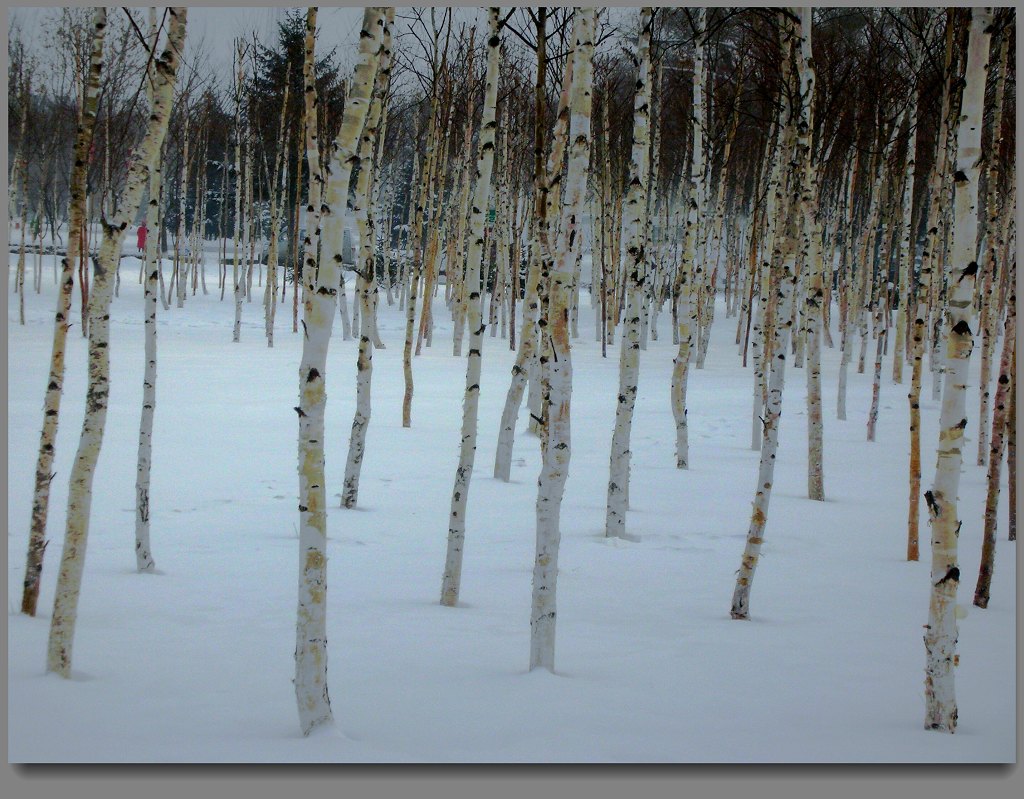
195, 663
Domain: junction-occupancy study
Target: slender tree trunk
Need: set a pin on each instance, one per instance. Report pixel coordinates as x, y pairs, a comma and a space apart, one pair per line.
995, 455
144, 562
276, 195
992, 229
237, 274
929, 260
475, 260
636, 262
1011, 452
180, 271
320, 306
941, 631
786, 264
416, 270
907, 236
811, 242
62, 626
555, 359
524, 369
366, 279
55, 382
21, 174
686, 276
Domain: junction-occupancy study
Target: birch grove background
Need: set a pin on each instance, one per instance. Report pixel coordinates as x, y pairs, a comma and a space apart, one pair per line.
722, 293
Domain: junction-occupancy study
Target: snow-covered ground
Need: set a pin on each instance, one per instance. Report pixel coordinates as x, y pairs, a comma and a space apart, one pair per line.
195, 663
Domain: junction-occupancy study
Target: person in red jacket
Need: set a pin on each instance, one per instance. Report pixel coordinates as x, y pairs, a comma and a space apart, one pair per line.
142, 238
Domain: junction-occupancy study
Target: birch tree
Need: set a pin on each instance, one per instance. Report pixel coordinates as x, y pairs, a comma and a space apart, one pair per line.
65, 609
144, 562
636, 264
813, 267
687, 272
366, 281
556, 357
991, 228
320, 289
55, 381
451, 581
941, 631
997, 446
784, 258
919, 332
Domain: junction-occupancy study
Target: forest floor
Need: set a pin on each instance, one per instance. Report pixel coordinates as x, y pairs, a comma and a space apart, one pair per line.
194, 663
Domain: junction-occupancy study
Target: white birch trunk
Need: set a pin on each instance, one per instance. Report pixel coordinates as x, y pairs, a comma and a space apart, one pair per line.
319, 309
555, 359
688, 268
475, 259
992, 229
907, 236
180, 270
786, 264
929, 261
238, 274
636, 264
525, 368
366, 281
941, 631
144, 562
813, 266
69, 581
55, 382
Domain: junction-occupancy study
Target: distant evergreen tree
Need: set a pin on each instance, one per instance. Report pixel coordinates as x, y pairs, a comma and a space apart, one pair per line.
267, 93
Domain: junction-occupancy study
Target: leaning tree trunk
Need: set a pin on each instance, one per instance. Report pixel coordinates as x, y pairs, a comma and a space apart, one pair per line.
636, 262
555, 358
1011, 454
524, 369
997, 446
69, 581
416, 268
319, 308
941, 631
366, 280
919, 331
475, 259
55, 382
786, 264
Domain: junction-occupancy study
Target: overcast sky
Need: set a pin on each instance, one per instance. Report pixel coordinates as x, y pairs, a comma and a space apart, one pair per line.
212, 29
